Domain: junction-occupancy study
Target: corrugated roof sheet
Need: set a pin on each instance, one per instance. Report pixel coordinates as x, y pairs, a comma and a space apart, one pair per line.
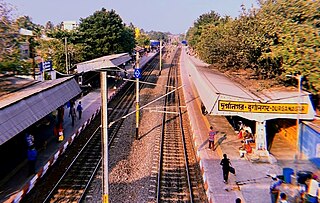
103, 62
10, 83
213, 87
21, 109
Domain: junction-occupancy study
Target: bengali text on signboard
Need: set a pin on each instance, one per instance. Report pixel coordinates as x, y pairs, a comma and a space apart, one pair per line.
255, 107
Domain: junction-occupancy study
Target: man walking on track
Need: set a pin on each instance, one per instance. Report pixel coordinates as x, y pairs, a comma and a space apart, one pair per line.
225, 163
211, 138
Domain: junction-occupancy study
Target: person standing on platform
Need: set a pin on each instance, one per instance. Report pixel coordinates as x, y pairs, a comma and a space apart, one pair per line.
274, 188
73, 115
225, 163
211, 138
29, 140
60, 114
313, 188
79, 109
32, 158
71, 105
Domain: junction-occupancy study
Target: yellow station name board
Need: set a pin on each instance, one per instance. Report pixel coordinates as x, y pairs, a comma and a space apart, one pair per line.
254, 107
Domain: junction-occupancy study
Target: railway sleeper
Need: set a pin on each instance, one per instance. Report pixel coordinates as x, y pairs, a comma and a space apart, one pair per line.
171, 173
172, 153
174, 158
74, 186
175, 181
174, 163
174, 198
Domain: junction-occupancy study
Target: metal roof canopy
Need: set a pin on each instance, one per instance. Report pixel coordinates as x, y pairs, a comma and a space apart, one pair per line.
213, 87
103, 62
21, 109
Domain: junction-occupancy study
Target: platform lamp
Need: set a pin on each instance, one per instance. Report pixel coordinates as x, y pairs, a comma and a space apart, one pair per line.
299, 78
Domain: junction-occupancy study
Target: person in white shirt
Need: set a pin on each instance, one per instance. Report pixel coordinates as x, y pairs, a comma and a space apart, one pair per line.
313, 187
247, 128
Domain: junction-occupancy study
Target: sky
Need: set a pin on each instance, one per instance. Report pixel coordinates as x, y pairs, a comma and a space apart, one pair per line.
175, 16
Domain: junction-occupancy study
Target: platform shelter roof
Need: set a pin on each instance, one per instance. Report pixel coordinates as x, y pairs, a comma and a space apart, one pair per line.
222, 96
103, 62
24, 107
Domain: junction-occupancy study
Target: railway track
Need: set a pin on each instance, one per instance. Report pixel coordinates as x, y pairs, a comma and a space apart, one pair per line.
178, 177
72, 185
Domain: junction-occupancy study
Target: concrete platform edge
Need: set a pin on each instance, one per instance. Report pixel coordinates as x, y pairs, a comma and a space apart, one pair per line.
25, 189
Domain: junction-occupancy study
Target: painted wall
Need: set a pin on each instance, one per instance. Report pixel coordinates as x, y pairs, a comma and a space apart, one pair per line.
310, 143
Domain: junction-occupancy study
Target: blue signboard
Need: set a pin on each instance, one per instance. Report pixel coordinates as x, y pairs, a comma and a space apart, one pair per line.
47, 66
137, 73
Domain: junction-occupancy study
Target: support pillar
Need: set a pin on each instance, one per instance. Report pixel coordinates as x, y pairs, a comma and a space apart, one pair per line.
261, 139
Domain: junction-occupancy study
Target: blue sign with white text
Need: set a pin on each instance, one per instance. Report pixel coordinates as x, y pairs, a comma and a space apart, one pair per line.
46, 65
137, 73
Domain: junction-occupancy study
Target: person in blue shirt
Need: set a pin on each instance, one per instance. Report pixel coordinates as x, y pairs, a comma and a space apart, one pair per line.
274, 188
79, 109
32, 158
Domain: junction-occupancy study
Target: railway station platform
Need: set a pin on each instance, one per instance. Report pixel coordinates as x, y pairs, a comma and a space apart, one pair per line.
18, 183
252, 180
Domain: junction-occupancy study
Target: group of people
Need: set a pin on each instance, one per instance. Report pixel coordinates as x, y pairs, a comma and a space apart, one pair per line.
58, 129
32, 153
307, 195
247, 137
73, 110
225, 162
308, 192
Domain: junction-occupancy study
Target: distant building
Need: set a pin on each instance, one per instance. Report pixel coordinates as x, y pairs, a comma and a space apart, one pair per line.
69, 25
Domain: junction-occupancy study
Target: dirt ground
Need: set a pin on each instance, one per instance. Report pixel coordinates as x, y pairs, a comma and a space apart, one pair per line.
247, 78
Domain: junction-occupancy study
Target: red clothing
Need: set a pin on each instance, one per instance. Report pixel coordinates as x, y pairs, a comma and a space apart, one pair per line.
212, 135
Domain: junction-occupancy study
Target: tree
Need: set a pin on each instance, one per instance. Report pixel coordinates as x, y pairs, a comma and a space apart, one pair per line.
49, 26
297, 45
104, 33
282, 37
194, 33
156, 35
141, 38
9, 44
54, 49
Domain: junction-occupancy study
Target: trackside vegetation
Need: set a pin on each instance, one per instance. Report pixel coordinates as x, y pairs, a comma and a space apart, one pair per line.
279, 38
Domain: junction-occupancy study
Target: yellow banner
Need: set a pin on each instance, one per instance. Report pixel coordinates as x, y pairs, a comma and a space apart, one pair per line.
254, 107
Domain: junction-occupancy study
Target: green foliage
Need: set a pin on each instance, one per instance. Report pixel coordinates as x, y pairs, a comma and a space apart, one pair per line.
9, 43
127, 39
282, 37
194, 33
100, 34
104, 33
298, 42
156, 35
143, 40
54, 49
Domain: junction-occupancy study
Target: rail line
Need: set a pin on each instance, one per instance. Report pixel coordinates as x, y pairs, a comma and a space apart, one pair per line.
73, 183
178, 179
